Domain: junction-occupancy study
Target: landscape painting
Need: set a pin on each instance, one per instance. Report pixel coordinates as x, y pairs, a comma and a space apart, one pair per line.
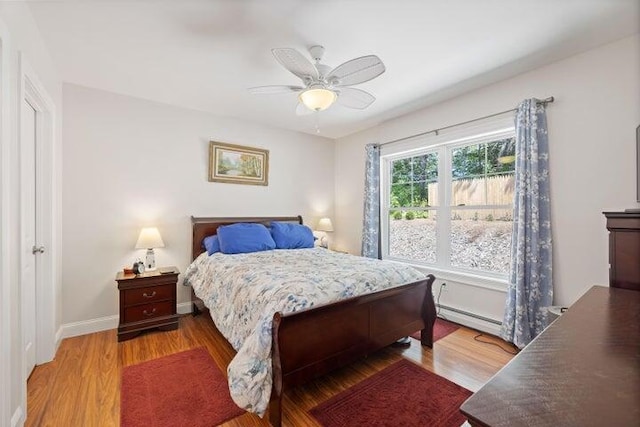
237, 164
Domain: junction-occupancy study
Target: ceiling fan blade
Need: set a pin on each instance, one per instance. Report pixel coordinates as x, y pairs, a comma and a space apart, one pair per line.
295, 62
301, 110
356, 71
354, 98
268, 90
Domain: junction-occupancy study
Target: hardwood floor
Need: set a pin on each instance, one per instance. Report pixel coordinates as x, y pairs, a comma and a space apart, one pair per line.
81, 387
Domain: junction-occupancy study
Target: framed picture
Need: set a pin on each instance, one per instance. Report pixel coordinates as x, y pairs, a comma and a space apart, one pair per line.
237, 164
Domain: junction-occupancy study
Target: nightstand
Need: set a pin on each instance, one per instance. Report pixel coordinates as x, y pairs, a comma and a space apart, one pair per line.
147, 301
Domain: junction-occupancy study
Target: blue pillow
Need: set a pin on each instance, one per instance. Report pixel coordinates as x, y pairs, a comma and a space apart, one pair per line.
291, 236
244, 237
211, 244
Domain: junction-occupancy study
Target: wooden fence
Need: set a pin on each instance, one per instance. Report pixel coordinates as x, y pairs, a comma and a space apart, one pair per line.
493, 190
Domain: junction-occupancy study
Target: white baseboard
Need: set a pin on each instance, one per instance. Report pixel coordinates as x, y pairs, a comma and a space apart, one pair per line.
89, 326
18, 417
184, 308
471, 322
100, 324
84, 327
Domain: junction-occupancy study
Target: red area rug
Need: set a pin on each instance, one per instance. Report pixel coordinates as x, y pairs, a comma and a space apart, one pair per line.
441, 329
183, 389
403, 394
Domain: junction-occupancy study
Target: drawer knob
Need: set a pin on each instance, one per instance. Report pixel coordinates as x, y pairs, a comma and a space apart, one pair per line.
146, 313
146, 295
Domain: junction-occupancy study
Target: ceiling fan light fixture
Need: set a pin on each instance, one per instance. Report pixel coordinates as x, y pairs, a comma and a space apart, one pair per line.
323, 85
318, 99
507, 153
505, 160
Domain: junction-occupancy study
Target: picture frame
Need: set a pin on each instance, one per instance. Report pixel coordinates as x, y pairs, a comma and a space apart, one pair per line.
238, 164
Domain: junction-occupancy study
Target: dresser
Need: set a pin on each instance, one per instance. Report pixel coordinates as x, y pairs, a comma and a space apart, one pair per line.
147, 301
624, 249
583, 370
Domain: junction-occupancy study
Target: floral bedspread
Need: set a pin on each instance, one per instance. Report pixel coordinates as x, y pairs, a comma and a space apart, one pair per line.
244, 291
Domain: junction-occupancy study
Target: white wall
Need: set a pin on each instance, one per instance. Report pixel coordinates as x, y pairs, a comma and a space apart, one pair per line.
131, 163
20, 36
592, 154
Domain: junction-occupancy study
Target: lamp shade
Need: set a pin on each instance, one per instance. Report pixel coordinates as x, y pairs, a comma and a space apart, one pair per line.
324, 225
149, 238
317, 99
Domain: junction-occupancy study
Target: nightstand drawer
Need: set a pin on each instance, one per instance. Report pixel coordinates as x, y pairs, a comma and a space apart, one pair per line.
148, 311
147, 301
148, 295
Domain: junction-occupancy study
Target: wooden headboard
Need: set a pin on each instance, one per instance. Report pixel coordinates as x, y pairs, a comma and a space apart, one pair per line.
203, 227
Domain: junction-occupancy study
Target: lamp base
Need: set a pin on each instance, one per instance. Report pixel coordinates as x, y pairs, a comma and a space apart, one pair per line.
324, 241
150, 263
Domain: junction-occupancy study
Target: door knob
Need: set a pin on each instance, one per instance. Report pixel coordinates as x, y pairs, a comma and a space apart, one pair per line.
37, 249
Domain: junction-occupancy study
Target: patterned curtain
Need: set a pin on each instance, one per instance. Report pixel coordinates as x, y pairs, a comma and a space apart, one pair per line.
371, 223
530, 285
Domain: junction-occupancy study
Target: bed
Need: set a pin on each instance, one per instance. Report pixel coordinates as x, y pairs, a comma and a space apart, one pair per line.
351, 328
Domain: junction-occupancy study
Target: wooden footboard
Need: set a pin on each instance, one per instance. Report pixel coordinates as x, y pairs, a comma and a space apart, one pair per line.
312, 342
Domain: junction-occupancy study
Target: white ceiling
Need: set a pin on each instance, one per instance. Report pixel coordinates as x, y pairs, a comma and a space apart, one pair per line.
204, 54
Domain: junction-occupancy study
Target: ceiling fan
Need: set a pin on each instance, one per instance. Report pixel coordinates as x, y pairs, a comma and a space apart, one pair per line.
324, 85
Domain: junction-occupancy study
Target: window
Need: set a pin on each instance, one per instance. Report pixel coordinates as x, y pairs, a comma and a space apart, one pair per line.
414, 194
449, 205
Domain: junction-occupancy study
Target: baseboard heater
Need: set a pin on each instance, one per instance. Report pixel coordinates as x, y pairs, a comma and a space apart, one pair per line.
466, 313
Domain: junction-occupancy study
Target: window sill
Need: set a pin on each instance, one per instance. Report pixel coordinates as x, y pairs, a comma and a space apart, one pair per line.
479, 281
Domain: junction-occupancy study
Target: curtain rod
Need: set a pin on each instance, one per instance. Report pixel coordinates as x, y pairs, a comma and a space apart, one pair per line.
545, 101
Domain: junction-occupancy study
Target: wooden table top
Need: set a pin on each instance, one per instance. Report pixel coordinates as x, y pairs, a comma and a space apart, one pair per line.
583, 370
160, 271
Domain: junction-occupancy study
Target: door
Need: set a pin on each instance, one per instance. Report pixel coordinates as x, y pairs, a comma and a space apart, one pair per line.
28, 188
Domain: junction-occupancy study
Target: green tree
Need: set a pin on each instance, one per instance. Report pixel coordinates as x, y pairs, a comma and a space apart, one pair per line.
400, 195
401, 171
468, 161
410, 178
476, 161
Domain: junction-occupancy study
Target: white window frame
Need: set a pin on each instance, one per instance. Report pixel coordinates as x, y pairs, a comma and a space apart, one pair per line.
443, 144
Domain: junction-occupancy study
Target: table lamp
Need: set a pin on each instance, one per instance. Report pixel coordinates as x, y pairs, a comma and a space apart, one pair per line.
324, 225
149, 239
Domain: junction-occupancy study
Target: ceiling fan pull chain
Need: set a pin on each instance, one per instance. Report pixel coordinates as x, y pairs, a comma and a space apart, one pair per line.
317, 114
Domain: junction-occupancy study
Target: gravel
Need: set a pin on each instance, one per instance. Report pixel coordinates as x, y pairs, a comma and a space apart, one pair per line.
476, 245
